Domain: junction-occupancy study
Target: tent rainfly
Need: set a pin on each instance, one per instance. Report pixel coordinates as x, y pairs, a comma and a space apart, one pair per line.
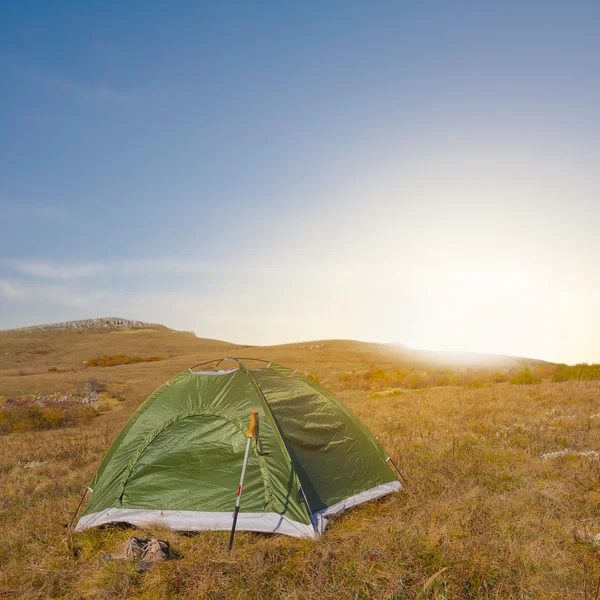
178, 459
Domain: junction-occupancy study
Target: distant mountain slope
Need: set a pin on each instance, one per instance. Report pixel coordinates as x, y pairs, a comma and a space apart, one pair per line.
347, 355
457, 360
51, 357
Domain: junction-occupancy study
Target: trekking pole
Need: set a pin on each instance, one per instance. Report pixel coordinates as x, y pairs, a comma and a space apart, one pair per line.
250, 434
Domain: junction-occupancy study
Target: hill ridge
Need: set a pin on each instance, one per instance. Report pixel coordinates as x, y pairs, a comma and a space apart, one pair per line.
83, 324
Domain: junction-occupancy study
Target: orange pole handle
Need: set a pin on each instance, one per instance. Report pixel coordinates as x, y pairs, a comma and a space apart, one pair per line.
253, 417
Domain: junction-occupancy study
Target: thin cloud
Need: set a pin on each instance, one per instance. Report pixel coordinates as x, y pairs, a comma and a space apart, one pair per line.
149, 266
61, 295
240, 268
233, 271
49, 270
11, 291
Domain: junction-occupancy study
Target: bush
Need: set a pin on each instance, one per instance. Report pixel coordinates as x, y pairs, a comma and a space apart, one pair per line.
498, 377
526, 377
388, 394
375, 380
119, 359
580, 372
33, 417
313, 376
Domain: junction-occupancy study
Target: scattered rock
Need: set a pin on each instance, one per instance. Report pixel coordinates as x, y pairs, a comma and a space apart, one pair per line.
32, 464
89, 395
561, 453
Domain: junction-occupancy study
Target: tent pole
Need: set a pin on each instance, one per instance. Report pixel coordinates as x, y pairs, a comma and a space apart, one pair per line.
309, 510
250, 434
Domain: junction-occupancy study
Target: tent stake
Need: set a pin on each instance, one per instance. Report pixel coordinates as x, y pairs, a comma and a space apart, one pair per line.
87, 489
398, 470
250, 434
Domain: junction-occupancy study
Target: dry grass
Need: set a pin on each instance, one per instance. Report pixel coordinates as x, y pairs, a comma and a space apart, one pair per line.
483, 511
483, 516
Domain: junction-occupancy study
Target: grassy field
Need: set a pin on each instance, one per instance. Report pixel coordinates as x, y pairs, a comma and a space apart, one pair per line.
503, 498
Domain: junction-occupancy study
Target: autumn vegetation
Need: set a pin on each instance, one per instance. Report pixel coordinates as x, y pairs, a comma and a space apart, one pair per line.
525, 377
580, 372
502, 500
377, 379
119, 359
22, 418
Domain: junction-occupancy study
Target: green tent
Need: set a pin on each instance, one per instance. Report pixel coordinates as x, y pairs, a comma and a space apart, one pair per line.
178, 459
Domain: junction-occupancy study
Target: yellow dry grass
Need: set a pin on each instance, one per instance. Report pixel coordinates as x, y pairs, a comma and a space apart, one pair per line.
482, 510
483, 516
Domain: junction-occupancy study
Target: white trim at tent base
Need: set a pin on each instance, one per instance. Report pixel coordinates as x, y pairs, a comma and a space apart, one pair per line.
191, 520
377, 492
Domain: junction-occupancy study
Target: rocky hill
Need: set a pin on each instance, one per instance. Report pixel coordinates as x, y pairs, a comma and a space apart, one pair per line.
102, 323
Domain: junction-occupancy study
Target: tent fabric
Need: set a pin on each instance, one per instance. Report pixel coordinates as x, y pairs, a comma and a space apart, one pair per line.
178, 459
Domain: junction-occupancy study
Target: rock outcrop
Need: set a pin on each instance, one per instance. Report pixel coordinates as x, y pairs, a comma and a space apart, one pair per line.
103, 323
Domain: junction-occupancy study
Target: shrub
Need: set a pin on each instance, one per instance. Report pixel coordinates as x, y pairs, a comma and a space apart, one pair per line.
526, 377
416, 381
580, 372
498, 377
313, 376
119, 359
388, 394
375, 379
32, 417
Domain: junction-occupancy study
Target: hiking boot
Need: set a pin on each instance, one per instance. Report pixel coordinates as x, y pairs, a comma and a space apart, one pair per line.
154, 551
132, 550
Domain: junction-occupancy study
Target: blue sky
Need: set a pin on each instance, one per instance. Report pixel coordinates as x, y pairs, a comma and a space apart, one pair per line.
263, 172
